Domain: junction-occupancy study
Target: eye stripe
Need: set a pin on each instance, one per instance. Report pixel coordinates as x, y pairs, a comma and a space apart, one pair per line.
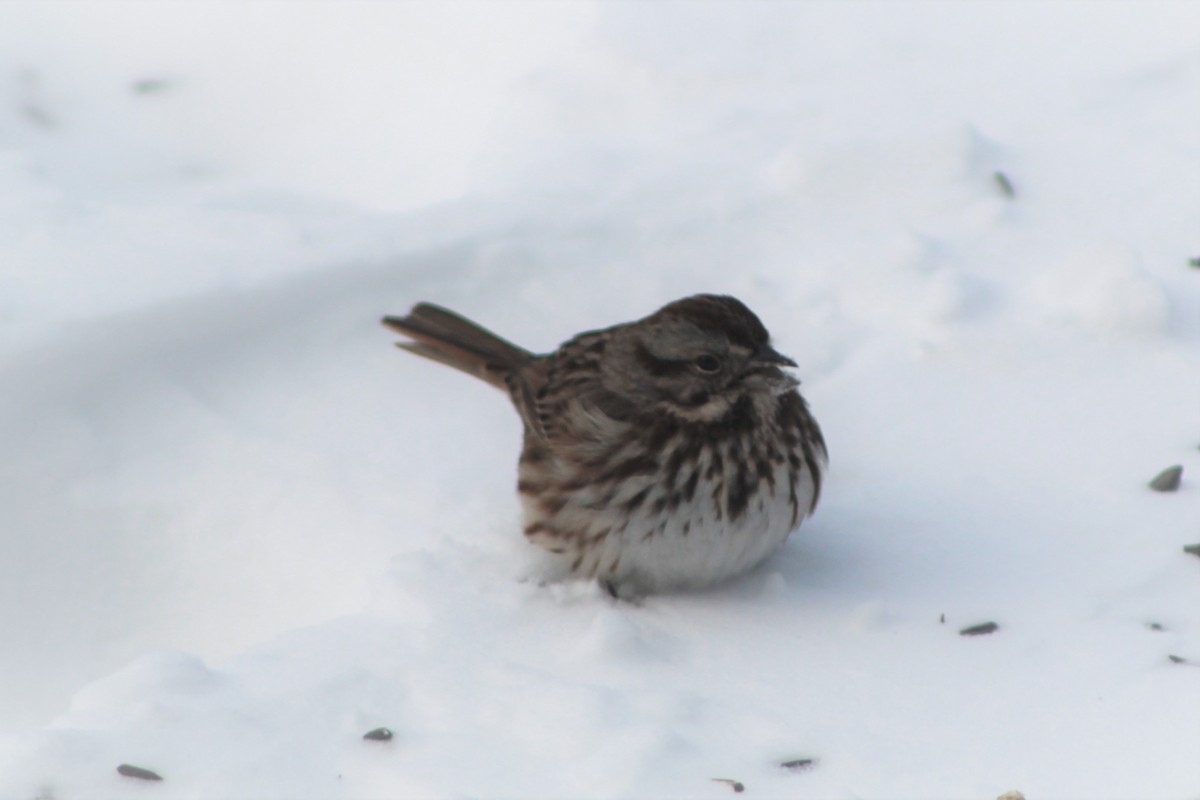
659, 367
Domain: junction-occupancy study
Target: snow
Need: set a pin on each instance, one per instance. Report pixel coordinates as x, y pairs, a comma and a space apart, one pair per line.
240, 530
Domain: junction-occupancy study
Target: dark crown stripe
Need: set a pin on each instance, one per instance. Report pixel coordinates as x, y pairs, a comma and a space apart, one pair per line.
728, 315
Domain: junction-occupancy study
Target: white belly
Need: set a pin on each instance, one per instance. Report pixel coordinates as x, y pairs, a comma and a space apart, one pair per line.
689, 547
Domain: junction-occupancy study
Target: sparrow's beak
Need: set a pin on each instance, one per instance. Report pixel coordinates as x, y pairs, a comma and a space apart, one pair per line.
768, 355
765, 372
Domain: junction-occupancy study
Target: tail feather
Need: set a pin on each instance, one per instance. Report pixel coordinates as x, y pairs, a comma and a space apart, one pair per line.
443, 336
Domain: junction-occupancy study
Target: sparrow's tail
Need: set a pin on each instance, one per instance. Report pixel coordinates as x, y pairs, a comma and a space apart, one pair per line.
444, 336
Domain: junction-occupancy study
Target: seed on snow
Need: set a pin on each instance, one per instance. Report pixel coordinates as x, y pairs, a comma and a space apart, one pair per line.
379, 735
982, 629
1168, 480
130, 771
737, 786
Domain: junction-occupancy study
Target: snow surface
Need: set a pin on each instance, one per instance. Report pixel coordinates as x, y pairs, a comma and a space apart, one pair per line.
238, 530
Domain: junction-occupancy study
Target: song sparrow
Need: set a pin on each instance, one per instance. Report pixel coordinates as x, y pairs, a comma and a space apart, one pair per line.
670, 452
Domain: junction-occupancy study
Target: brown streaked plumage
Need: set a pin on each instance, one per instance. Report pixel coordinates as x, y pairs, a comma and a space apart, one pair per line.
670, 452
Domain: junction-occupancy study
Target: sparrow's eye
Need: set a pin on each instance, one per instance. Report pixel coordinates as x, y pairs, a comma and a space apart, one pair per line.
707, 363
